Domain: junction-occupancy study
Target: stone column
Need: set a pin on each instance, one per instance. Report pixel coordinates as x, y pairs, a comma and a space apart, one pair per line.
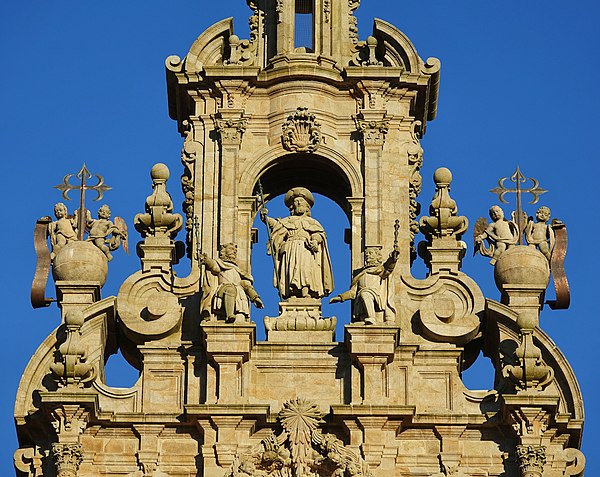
356, 229
69, 422
230, 126
246, 209
228, 346
373, 126
530, 415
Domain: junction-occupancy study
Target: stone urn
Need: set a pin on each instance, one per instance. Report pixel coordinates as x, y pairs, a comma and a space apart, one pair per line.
80, 262
522, 265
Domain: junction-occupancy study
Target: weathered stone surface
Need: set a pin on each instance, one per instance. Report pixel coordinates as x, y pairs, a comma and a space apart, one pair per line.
266, 117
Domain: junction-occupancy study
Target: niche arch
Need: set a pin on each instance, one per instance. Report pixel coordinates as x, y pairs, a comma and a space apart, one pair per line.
327, 172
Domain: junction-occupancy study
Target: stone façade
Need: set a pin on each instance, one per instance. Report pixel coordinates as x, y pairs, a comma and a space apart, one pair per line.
343, 118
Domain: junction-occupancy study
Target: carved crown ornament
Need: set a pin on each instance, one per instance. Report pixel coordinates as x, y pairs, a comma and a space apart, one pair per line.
301, 132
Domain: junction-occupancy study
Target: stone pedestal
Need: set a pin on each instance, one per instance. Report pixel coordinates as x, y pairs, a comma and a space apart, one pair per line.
445, 255
163, 379
372, 348
300, 315
228, 346
526, 300
73, 296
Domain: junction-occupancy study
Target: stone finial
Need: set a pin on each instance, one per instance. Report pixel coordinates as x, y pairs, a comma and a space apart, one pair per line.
158, 221
444, 220
443, 228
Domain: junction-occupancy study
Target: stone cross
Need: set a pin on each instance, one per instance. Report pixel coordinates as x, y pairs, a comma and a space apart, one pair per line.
518, 178
83, 175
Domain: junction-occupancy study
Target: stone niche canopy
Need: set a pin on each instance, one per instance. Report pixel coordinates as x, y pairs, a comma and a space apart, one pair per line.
305, 105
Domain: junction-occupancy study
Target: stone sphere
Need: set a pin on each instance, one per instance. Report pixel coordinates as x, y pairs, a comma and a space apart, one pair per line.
159, 172
522, 265
80, 262
442, 176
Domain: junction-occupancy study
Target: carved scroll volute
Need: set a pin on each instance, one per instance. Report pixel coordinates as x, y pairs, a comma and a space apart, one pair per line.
301, 132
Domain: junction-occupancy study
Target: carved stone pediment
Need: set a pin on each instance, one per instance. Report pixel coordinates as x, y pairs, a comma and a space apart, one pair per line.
300, 449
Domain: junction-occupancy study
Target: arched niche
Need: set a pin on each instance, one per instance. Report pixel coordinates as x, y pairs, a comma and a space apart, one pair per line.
307, 170
328, 173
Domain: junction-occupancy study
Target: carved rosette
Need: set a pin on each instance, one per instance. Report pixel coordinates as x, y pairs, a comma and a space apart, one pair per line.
532, 459
299, 449
301, 132
189, 154
231, 131
373, 132
67, 458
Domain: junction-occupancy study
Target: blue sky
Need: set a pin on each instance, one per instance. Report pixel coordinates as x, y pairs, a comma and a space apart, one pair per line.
85, 82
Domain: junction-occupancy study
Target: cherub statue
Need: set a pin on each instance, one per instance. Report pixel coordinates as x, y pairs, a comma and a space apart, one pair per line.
371, 288
62, 230
539, 234
106, 235
228, 289
500, 234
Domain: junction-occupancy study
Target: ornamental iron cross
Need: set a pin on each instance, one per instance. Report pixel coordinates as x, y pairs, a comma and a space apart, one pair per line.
83, 175
518, 178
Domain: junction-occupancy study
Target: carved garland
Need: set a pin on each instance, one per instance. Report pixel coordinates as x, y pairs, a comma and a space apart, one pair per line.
327, 10
189, 153
353, 21
415, 161
301, 132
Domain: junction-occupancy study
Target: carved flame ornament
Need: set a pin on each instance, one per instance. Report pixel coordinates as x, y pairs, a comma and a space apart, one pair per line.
301, 132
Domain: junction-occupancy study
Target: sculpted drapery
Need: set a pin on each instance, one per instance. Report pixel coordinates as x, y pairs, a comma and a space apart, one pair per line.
302, 262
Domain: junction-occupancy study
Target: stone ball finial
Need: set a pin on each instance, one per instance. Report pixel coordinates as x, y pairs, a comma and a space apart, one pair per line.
522, 265
159, 172
371, 41
442, 177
